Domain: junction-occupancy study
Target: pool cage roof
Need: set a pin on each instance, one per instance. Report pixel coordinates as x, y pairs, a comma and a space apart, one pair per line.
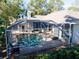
24, 20
35, 39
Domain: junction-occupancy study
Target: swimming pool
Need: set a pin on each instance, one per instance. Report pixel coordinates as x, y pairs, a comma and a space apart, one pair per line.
29, 40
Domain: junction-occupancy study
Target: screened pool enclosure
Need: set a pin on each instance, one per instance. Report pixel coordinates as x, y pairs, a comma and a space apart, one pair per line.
28, 36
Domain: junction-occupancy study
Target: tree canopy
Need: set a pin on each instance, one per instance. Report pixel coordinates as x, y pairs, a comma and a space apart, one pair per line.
44, 6
9, 10
74, 6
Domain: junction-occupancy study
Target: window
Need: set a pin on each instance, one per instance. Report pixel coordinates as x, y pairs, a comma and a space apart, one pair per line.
66, 26
23, 27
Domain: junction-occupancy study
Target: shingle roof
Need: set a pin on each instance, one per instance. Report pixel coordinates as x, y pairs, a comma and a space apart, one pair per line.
59, 16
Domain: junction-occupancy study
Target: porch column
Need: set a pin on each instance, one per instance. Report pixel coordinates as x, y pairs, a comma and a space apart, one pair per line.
18, 27
70, 34
60, 34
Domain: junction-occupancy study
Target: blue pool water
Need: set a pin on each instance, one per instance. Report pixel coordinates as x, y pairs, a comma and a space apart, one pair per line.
29, 40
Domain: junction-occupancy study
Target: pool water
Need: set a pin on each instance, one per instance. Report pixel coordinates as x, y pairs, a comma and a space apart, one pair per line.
29, 40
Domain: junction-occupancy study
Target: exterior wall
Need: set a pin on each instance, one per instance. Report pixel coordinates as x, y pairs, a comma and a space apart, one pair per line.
56, 31
75, 33
77, 21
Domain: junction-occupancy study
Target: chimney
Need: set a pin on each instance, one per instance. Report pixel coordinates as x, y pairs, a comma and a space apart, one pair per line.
28, 14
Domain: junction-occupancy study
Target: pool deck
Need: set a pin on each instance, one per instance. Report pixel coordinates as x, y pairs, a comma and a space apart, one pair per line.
41, 47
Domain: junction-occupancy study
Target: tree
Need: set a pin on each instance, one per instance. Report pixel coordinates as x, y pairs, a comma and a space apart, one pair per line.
9, 10
44, 6
74, 6
55, 5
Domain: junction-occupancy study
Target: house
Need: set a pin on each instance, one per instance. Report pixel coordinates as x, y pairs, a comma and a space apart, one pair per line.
36, 33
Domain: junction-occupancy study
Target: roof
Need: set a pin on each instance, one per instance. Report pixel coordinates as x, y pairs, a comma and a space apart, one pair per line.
56, 17
59, 16
24, 21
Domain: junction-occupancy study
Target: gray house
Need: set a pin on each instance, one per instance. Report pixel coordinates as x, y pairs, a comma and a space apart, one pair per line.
37, 33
